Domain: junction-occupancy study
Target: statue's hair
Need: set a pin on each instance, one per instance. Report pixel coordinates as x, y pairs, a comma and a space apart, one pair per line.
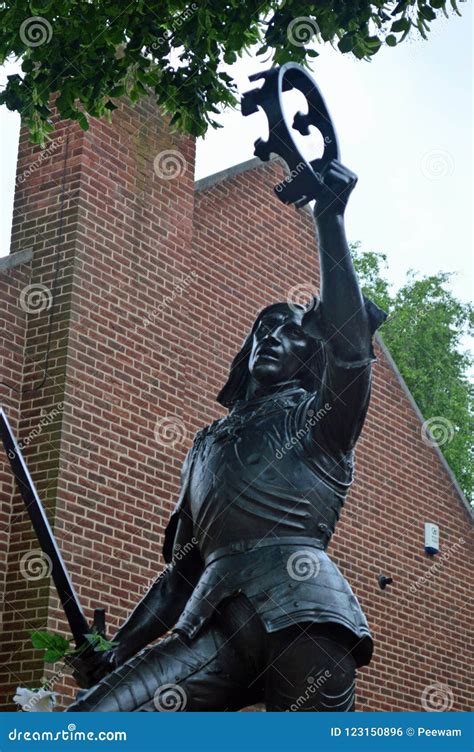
237, 383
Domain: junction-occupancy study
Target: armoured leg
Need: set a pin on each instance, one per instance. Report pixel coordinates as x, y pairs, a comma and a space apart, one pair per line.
174, 675
308, 671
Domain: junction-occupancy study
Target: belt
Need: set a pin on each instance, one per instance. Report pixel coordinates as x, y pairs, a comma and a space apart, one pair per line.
239, 547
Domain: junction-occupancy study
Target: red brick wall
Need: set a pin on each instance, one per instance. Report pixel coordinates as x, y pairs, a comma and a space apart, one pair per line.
151, 305
14, 277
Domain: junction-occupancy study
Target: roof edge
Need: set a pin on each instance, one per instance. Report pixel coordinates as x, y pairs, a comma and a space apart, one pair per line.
411, 399
15, 259
231, 172
227, 173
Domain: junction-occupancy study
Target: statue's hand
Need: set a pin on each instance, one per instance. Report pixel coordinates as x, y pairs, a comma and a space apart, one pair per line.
336, 185
91, 666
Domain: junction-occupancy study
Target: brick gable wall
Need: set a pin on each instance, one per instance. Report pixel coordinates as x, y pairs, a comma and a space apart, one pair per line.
158, 285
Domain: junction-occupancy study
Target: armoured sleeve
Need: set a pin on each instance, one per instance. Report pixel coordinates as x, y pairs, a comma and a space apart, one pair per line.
334, 416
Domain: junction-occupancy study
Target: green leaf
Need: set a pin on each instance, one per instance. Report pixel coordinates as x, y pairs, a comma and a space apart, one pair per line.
55, 645
82, 120
99, 643
118, 91
52, 655
347, 43
43, 639
112, 45
427, 13
230, 57
403, 24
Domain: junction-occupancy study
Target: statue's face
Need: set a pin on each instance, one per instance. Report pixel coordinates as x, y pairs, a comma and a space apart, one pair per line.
280, 347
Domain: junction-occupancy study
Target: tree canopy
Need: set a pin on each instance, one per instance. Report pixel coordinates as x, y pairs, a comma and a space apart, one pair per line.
93, 51
424, 332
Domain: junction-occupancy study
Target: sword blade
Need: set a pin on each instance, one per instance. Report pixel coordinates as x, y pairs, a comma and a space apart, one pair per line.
65, 589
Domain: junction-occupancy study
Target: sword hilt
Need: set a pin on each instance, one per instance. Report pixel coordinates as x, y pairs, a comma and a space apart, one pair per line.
98, 623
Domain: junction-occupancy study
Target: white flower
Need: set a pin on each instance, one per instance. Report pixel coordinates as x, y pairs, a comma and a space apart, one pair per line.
35, 700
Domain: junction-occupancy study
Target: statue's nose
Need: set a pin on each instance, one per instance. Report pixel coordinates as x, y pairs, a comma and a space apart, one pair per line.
271, 339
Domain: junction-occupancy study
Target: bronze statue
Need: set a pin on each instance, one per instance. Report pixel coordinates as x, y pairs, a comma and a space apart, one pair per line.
258, 612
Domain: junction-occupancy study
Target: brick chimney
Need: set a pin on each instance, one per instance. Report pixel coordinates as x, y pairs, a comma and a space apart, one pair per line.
94, 365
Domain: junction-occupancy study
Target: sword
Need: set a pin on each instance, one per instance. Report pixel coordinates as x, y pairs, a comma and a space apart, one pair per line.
65, 589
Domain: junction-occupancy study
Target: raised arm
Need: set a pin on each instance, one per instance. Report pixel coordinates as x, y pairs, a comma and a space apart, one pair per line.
348, 334
344, 320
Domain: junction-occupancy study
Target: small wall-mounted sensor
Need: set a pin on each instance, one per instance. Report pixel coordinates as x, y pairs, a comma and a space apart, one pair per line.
384, 581
431, 538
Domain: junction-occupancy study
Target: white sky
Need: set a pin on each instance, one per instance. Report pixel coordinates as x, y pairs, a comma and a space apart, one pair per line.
404, 123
